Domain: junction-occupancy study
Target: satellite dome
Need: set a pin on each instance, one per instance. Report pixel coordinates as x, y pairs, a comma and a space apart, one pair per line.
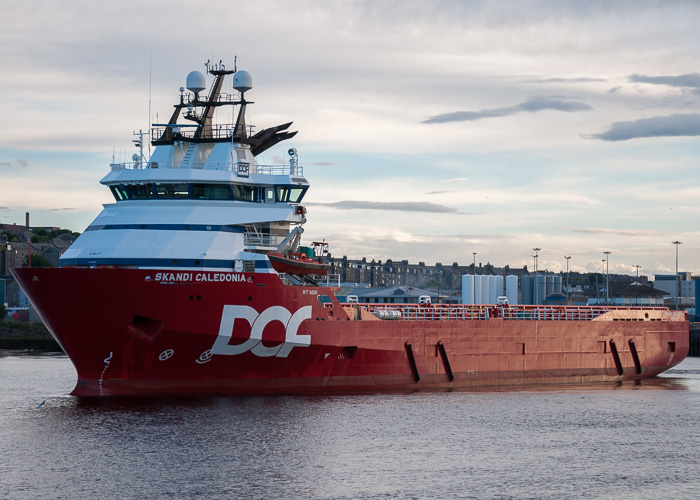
196, 82
242, 81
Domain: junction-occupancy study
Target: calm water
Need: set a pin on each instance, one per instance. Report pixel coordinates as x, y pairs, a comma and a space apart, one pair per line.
599, 441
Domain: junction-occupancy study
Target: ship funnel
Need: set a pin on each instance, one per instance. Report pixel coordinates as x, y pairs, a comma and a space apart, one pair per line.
196, 82
242, 81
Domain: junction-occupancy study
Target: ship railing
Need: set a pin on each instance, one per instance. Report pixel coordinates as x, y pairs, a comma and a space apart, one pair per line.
183, 132
329, 280
232, 166
260, 240
482, 312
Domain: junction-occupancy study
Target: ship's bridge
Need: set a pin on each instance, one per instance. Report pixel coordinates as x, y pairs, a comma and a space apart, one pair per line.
275, 185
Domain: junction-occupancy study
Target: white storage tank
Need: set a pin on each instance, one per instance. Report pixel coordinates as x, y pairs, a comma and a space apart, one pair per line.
494, 291
468, 289
527, 290
540, 289
512, 289
549, 289
484, 289
499, 287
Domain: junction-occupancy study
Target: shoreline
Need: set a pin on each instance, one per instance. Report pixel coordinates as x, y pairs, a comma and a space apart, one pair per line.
27, 337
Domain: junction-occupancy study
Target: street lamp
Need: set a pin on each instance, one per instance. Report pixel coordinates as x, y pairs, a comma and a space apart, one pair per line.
602, 284
535, 256
535, 296
607, 279
567, 275
636, 301
677, 243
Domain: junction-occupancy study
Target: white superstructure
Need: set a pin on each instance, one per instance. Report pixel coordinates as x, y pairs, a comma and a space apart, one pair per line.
201, 201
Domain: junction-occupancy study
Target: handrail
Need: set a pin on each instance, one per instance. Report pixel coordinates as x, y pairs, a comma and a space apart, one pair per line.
231, 166
267, 240
483, 312
184, 132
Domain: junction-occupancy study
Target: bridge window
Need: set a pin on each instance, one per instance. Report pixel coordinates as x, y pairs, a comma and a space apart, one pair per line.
172, 191
118, 193
290, 194
245, 193
132, 192
211, 192
140, 191
242, 192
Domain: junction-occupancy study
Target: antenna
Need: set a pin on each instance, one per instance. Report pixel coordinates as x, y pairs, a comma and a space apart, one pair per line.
150, 88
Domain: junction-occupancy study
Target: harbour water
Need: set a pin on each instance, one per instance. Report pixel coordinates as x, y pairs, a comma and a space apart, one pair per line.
606, 441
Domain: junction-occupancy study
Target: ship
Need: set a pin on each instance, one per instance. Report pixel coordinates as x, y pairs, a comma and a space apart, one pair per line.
194, 281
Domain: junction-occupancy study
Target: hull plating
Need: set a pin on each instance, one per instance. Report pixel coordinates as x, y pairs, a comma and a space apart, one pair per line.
130, 331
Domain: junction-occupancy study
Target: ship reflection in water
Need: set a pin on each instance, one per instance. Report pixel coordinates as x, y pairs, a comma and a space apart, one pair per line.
608, 440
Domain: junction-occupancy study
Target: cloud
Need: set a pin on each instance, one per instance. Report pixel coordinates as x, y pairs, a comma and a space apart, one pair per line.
677, 125
619, 232
582, 79
59, 209
532, 105
691, 80
20, 163
455, 179
5, 209
392, 206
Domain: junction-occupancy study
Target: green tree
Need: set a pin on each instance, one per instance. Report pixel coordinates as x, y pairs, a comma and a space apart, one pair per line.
10, 237
38, 260
41, 235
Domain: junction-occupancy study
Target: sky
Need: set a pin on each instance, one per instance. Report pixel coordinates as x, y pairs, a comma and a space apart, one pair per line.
429, 130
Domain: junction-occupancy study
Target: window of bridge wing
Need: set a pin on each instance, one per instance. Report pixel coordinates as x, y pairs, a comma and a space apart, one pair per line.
211, 192
172, 191
119, 193
132, 192
245, 192
291, 194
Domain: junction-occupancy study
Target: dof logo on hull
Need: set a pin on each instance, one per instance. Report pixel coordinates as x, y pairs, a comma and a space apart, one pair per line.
258, 322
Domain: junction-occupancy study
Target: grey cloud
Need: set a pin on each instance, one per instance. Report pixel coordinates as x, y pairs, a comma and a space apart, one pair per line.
532, 105
21, 163
5, 209
582, 79
620, 232
691, 80
677, 125
393, 206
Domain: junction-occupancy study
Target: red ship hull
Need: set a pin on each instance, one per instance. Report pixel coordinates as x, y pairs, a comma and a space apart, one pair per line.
136, 331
